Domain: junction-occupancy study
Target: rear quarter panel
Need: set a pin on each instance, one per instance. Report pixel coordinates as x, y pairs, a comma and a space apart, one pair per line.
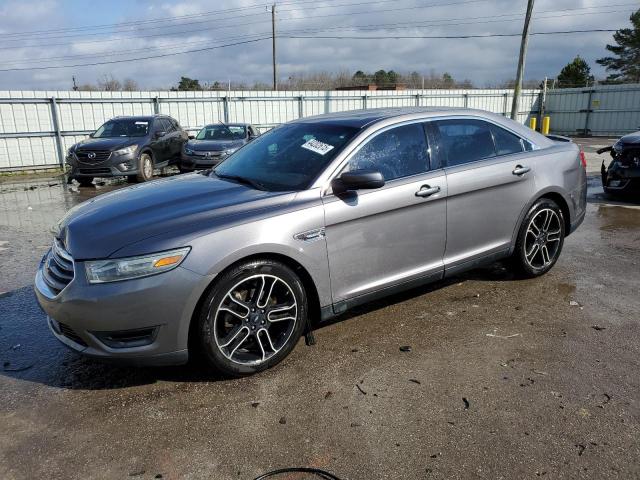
557, 170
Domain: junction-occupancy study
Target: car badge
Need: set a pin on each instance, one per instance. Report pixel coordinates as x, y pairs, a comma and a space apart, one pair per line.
91, 155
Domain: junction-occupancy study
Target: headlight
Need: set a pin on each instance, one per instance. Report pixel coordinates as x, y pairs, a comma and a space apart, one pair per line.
127, 150
229, 151
188, 151
101, 271
71, 150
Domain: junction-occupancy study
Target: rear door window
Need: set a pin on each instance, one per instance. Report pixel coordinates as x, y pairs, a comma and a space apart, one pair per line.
506, 142
464, 140
396, 153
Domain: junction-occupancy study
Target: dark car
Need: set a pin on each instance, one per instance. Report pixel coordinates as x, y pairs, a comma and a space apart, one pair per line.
127, 146
214, 143
622, 176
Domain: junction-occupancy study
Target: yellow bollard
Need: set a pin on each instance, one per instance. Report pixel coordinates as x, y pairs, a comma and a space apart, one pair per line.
533, 123
546, 123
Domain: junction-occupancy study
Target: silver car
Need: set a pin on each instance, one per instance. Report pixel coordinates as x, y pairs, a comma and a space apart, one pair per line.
308, 220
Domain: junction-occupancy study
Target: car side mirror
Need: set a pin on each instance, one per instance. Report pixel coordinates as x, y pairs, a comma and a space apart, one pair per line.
160, 134
358, 180
191, 137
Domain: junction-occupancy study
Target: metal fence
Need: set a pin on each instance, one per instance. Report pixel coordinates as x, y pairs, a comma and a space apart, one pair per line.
36, 128
603, 110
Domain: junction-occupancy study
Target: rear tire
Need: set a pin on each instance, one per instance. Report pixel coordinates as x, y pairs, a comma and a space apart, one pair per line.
145, 168
540, 239
252, 318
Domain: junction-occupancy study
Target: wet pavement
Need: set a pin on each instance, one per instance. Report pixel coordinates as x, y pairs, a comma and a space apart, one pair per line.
505, 378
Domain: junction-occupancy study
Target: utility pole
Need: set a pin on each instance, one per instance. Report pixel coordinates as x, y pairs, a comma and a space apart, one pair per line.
523, 54
75, 87
273, 38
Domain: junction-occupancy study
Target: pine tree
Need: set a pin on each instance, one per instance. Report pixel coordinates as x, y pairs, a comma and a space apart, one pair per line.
575, 74
625, 62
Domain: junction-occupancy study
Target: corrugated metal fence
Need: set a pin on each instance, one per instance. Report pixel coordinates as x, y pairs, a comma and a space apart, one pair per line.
36, 128
602, 110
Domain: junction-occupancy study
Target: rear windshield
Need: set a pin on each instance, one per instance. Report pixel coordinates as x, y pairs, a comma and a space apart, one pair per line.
123, 128
289, 157
222, 132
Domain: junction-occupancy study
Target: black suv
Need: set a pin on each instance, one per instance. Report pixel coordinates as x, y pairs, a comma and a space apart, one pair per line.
127, 146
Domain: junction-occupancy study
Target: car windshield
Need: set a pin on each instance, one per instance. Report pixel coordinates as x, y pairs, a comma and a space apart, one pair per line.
222, 132
288, 157
123, 128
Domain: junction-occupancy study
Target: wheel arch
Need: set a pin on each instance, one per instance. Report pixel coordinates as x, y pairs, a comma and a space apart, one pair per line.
550, 194
313, 297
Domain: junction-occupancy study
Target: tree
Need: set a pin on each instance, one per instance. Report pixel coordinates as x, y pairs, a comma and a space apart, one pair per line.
109, 84
129, 85
625, 62
447, 80
187, 83
360, 78
381, 78
575, 74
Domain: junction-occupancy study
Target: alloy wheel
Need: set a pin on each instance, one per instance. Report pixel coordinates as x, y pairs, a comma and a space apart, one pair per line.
147, 167
255, 319
542, 239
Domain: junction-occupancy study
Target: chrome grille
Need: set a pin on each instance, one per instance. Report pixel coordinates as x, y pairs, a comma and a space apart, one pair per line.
92, 156
58, 268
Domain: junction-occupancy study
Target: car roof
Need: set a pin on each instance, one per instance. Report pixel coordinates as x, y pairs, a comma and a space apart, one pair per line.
228, 124
142, 118
362, 118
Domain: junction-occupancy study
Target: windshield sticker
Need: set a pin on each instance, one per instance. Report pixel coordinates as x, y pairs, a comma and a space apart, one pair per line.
318, 147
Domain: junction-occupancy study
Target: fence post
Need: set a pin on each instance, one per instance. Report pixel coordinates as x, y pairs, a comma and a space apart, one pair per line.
588, 111
225, 107
505, 105
156, 105
301, 106
58, 133
417, 99
364, 102
466, 100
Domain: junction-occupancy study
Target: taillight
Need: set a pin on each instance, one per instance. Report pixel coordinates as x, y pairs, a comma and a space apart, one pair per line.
583, 159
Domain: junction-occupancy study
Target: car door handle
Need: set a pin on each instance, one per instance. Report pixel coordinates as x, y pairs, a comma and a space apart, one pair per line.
427, 191
520, 170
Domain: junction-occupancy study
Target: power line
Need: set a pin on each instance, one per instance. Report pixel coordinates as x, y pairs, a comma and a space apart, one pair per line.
341, 37
258, 14
149, 57
451, 37
156, 20
384, 26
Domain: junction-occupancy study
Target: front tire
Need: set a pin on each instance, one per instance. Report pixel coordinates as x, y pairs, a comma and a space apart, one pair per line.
540, 239
252, 318
85, 181
145, 168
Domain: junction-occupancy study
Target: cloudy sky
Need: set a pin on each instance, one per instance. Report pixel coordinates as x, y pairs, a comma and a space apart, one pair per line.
52, 33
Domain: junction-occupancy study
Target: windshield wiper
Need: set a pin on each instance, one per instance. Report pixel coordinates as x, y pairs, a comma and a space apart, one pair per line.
240, 179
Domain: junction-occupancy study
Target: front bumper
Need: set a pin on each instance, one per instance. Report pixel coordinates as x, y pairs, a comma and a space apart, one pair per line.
112, 167
197, 162
88, 317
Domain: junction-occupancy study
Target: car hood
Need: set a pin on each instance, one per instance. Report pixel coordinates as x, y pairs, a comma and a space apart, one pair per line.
631, 139
213, 145
101, 226
113, 143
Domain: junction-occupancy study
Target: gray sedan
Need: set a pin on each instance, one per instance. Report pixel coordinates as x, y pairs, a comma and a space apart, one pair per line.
214, 143
308, 220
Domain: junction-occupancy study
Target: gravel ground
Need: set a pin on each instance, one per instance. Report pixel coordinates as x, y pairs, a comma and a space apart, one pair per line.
505, 378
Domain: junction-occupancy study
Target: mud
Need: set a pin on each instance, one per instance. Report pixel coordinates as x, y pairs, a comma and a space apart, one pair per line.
504, 378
